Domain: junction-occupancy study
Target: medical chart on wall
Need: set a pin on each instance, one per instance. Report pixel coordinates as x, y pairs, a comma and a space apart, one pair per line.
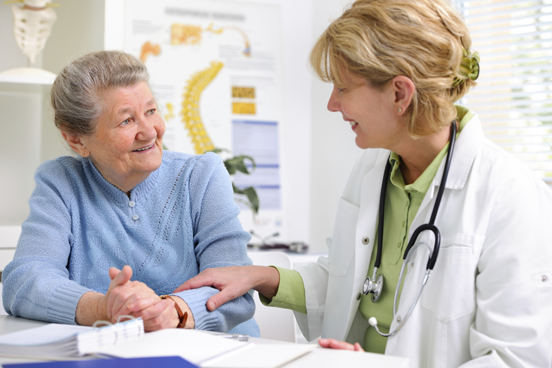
215, 68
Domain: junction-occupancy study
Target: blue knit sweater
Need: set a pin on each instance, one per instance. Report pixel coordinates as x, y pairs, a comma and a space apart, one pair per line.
179, 221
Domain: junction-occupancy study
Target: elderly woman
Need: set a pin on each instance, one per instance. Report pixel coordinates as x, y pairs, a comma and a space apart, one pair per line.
397, 67
123, 223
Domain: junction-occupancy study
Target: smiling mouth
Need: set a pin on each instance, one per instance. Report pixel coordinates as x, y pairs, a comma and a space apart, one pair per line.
144, 149
353, 123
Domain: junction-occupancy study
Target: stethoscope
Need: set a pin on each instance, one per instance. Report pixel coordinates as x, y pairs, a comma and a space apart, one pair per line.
374, 285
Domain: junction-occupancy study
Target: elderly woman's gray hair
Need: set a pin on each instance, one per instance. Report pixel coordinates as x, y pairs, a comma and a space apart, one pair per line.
76, 94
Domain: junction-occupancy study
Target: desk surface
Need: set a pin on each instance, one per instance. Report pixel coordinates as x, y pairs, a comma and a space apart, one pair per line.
320, 358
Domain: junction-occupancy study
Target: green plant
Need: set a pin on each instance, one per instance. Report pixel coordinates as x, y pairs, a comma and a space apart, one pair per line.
238, 163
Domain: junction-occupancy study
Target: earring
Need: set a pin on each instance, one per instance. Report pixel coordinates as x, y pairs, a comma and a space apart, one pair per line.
400, 110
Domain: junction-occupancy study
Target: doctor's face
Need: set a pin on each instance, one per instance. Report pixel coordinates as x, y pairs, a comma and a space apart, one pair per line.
367, 109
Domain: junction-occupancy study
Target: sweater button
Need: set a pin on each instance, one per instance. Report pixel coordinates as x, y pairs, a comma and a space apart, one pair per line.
359, 295
135, 217
131, 203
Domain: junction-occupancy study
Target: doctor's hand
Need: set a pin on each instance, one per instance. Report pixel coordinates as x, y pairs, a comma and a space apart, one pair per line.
340, 345
234, 282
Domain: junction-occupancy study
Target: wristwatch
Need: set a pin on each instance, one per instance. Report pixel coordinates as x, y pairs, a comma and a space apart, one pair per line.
182, 316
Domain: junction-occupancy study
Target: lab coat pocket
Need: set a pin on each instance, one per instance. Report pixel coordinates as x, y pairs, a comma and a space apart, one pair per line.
450, 291
342, 246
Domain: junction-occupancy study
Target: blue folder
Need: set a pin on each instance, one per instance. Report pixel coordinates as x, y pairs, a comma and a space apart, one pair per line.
156, 362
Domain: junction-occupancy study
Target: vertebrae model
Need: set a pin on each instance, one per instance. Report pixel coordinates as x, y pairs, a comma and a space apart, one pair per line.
32, 25
190, 107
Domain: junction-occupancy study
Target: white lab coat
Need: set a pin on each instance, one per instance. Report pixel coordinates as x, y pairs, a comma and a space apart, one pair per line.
488, 302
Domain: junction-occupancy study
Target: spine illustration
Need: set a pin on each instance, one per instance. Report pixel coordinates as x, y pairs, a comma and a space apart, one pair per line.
190, 112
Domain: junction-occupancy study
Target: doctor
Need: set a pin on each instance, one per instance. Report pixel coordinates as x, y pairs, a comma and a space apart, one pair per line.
398, 67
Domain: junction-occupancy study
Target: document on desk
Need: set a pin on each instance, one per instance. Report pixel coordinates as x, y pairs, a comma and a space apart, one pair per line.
261, 356
208, 350
193, 345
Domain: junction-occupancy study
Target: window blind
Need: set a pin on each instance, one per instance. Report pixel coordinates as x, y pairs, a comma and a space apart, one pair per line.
514, 93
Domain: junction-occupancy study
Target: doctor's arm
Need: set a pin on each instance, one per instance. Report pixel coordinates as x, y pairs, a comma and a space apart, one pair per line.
234, 282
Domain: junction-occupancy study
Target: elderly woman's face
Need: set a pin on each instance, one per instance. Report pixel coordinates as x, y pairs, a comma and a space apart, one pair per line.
367, 109
127, 143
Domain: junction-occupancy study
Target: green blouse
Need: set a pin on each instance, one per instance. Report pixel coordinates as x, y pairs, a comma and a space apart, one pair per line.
401, 205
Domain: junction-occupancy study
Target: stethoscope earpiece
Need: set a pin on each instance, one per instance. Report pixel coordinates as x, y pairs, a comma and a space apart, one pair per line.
373, 321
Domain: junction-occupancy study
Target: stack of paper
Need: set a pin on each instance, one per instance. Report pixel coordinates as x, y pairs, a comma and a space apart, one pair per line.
57, 340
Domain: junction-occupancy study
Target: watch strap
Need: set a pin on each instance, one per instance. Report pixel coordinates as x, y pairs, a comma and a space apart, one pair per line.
182, 316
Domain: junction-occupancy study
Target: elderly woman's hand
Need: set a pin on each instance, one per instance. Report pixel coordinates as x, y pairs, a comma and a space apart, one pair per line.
138, 300
128, 297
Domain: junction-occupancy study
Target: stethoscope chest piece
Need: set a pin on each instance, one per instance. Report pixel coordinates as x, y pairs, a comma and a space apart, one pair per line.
373, 286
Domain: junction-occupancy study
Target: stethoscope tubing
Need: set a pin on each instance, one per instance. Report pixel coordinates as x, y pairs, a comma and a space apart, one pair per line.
433, 254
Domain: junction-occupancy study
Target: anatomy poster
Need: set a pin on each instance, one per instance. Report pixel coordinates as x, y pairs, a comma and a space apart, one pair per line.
215, 68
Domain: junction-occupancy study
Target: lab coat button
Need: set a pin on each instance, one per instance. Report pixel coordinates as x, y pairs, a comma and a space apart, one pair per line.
131, 203
359, 296
399, 319
135, 217
365, 240
544, 278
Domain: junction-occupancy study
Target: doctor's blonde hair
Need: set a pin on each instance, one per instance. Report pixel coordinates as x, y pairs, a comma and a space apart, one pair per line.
381, 39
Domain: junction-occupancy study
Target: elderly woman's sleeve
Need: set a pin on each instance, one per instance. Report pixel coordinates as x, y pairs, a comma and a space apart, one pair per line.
36, 283
219, 241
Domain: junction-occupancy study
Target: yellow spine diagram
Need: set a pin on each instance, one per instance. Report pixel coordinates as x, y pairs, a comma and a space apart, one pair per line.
190, 113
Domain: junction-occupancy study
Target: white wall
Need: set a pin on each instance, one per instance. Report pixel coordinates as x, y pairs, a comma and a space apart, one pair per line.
333, 149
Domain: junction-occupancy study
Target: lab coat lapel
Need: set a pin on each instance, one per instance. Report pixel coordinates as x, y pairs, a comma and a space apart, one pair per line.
366, 228
367, 219
465, 151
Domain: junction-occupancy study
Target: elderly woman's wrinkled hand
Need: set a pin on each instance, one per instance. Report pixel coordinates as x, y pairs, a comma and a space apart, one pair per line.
136, 299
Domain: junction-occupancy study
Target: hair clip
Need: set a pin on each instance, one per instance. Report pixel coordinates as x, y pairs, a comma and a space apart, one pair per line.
469, 67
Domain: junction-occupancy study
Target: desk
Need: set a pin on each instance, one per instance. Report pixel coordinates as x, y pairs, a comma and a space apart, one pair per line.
319, 358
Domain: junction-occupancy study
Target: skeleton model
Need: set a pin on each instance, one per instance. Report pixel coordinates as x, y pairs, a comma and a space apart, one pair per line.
32, 25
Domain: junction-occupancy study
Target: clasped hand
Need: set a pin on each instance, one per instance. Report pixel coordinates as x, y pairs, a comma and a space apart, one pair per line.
125, 297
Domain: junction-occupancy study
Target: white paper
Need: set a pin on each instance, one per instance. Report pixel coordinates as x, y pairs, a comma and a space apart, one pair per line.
42, 335
192, 345
261, 356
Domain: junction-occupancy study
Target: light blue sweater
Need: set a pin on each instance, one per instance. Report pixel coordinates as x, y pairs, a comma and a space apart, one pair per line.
179, 221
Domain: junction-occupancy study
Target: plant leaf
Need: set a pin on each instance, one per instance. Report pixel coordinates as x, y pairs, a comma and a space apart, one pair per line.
251, 195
